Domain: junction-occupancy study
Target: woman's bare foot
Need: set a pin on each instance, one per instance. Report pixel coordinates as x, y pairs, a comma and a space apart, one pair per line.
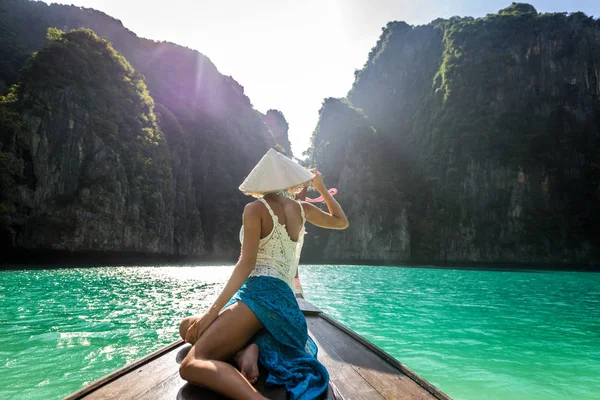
247, 361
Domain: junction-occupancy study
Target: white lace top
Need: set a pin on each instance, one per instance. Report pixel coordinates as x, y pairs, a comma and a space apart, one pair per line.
278, 255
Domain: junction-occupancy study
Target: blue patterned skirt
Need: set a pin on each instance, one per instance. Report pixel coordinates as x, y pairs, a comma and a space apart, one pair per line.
286, 350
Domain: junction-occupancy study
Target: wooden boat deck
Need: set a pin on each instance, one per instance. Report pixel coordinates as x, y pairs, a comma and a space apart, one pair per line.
358, 370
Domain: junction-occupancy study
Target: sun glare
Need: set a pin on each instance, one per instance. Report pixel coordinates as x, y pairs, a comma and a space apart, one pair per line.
287, 55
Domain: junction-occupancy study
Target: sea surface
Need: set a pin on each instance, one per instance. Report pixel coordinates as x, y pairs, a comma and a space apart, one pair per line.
475, 334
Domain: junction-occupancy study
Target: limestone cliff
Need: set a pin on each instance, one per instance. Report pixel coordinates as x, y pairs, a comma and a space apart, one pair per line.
279, 127
213, 137
490, 135
103, 178
347, 150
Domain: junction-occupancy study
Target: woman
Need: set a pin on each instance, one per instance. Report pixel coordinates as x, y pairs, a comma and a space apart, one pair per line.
256, 317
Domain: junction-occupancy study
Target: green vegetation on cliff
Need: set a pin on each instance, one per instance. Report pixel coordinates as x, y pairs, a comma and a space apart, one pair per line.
84, 121
119, 107
205, 135
11, 166
349, 151
490, 129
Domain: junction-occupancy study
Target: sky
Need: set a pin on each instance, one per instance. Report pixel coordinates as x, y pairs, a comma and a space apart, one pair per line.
291, 54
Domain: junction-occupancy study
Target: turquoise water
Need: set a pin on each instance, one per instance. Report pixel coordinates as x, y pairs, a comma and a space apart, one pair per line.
474, 334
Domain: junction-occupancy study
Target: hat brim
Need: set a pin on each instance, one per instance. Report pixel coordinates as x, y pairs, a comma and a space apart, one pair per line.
273, 173
276, 190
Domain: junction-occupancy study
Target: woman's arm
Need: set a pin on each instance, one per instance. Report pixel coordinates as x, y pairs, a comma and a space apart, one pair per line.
336, 219
247, 260
242, 270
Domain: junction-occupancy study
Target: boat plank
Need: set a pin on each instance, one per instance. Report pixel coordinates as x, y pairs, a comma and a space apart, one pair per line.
126, 370
170, 388
140, 380
386, 358
348, 382
159, 379
306, 307
386, 380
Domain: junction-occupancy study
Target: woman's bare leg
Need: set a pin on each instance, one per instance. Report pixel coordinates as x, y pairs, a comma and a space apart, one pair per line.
246, 358
205, 363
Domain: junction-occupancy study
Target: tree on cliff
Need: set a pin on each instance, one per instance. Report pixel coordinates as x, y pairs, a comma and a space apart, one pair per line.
11, 165
491, 130
90, 138
214, 134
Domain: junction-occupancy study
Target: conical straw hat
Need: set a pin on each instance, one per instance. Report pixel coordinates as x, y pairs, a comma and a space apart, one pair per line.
275, 172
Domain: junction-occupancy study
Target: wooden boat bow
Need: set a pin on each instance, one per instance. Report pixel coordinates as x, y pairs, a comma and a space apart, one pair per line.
358, 369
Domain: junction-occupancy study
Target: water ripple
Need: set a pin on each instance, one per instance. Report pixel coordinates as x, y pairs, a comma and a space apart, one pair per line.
63, 328
508, 335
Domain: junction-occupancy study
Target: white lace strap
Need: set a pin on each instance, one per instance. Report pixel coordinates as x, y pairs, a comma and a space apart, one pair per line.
302, 211
268, 207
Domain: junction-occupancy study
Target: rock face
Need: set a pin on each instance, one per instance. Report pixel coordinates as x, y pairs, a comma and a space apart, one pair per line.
489, 139
279, 127
103, 178
347, 150
79, 172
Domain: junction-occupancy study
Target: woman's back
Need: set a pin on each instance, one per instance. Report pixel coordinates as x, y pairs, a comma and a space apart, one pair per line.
281, 239
288, 213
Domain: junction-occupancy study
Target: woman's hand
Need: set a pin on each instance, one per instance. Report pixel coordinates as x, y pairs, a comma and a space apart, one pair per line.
317, 181
197, 328
335, 219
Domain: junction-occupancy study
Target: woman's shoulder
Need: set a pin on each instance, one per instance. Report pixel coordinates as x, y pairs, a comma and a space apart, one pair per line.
254, 207
293, 204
